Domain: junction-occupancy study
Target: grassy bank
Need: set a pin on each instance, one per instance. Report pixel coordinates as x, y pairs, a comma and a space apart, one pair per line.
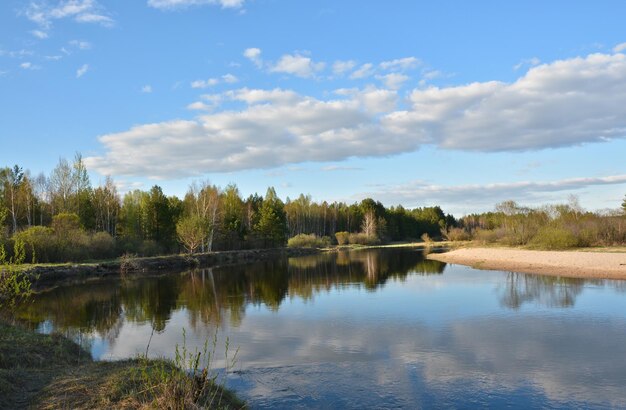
49, 372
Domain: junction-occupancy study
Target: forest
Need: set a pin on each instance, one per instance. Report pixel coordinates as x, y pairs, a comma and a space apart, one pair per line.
62, 217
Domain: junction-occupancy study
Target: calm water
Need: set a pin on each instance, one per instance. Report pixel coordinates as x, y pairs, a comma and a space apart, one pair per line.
368, 329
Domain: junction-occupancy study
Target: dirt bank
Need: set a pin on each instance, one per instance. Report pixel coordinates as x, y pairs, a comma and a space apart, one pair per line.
574, 264
44, 276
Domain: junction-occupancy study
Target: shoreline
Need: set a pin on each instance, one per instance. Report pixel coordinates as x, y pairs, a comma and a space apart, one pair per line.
572, 264
46, 276
51, 371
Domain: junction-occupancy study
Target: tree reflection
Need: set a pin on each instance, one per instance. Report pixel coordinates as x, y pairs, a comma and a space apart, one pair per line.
215, 296
549, 291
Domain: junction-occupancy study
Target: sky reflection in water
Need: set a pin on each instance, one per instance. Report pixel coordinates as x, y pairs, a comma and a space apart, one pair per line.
375, 328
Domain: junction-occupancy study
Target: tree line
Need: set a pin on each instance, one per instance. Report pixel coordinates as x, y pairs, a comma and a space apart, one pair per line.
559, 226
62, 217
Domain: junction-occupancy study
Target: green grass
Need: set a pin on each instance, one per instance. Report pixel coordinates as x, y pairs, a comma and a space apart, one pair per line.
49, 371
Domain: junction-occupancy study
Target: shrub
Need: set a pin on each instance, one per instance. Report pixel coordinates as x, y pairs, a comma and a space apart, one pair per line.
308, 241
457, 234
554, 238
363, 239
101, 246
487, 235
343, 238
40, 243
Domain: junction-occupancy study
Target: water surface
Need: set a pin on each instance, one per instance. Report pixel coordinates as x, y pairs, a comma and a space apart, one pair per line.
362, 329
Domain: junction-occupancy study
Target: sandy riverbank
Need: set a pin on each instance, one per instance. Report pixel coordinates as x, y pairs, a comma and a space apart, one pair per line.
575, 264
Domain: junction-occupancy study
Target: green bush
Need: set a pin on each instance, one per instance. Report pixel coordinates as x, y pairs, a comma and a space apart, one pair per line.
554, 238
304, 240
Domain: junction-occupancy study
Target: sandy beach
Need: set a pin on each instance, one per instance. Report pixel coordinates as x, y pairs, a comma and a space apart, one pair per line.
575, 264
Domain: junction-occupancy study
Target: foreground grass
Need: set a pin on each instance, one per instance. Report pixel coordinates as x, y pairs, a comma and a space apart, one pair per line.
50, 372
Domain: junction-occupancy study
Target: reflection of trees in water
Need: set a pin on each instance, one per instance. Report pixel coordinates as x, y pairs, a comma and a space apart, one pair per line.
550, 291
212, 296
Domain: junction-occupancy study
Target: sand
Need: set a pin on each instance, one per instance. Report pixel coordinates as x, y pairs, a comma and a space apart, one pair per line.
574, 264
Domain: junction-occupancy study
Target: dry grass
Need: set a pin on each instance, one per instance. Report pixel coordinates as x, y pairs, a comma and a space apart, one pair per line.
51, 372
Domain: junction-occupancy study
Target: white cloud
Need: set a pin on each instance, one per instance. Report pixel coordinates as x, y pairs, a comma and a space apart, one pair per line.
564, 103
527, 62
226, 78
393, 80
199, 106
330, 168
39, 34
82, 11
27, 65
364, 71
341, 67
260, 136
53, 58
297, 65
254, 54
81, 44
82, 70
229, 78
400, 64
178, 4
205, 83
619, 48
147, 89
419, 192
256, 96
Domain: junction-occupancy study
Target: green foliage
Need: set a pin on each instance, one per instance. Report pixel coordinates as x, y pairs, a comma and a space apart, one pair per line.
272, 225
555, 238
192, 232
14, 284
308, 241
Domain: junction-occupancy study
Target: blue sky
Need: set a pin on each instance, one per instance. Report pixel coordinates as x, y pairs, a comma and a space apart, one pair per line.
461, 104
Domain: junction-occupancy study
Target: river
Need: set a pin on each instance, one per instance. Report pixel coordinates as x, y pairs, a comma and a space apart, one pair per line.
377, 328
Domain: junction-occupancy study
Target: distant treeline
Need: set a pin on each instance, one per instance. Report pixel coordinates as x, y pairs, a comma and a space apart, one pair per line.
559, 226
61, 217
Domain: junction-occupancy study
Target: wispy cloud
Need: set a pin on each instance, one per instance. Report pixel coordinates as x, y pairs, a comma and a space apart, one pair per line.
342, 67
619, 48
27, 65
418, 192
331, 168
82, 70
226, 78
39, 34
180, 4
400, 64
254, 54
146, 89
527, 62
298, 65
80, 44
81, 11
365, 70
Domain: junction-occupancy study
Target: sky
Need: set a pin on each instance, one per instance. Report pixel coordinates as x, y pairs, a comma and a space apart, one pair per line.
451, 103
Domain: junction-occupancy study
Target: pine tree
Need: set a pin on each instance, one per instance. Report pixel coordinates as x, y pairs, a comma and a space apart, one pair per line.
272, 225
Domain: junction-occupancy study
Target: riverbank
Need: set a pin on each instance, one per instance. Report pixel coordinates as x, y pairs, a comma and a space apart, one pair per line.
47, 275
574, 264
49, 371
